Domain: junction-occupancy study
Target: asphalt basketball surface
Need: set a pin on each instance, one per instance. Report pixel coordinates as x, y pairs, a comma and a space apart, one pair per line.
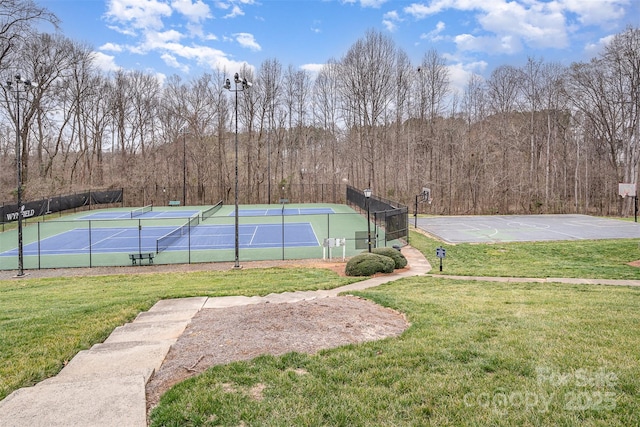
526, 228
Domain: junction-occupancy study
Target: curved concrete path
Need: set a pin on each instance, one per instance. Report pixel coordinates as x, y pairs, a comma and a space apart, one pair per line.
105, 385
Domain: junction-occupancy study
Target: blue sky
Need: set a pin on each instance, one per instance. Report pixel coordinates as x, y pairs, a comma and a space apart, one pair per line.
190, 37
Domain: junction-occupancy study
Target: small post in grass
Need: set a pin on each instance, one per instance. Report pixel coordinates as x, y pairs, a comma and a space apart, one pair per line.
441, 253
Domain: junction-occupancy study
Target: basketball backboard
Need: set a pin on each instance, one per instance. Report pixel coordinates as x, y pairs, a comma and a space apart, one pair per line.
625, 190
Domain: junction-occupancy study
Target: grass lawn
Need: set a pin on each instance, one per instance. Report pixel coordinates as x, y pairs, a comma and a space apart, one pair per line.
477, 353
602, 259
45, 322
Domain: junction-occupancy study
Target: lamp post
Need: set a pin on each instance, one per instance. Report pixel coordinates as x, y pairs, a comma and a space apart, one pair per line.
27, 84
367, 195
184, 163
240, 86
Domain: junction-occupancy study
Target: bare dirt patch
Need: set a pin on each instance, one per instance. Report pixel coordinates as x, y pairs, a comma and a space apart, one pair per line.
220, 336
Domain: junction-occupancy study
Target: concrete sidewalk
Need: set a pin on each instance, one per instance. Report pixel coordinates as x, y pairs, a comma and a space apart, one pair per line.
105, 385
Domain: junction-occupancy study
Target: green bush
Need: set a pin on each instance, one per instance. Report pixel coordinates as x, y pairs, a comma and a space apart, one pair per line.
368, 264
394, 254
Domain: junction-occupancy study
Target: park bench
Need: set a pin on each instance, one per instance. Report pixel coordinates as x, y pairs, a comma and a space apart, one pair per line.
139, 257
174, 202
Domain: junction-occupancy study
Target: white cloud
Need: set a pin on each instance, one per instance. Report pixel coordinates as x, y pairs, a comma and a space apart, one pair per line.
111, 47
539, 25
315, 27
172, 61
122, 30
389, 25
503, 44
372, 3
506, 26
421, 11
204, 56
105, 62
158, 38
591, 12
434, 35
460, 73
139, 14
594, 49
194, 11
247, 40
390, 20
313, 68
235, 11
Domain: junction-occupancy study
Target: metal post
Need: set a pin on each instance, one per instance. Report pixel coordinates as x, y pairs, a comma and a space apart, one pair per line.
27, 83
245, 85
237, 228
19, 168
269, 166
184, 167
367, 196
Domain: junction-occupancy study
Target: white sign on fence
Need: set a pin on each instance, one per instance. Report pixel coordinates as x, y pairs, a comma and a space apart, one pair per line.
333, 242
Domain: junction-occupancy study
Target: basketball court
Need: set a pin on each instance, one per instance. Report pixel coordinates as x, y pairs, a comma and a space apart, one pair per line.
526, 228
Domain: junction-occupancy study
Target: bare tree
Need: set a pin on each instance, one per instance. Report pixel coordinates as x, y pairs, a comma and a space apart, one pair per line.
269, 84
601, 90
432, 88
368, 88
326, 111
503, 91
17, 20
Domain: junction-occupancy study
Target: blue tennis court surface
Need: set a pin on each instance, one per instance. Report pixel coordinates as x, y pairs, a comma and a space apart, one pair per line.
201, 237
280, 211
249, 236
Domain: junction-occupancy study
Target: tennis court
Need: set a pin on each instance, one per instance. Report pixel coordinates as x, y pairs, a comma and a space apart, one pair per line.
186, 234
526, 228
283, 211
203, 237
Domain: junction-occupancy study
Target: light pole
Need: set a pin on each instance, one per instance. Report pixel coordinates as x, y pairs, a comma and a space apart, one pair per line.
27, 84
184, 163
367, 196
243, 85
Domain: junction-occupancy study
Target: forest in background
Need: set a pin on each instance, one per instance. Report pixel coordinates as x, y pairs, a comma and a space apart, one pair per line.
540, 138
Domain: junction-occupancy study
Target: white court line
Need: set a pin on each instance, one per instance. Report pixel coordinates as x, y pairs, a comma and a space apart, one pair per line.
105, 239
253, 235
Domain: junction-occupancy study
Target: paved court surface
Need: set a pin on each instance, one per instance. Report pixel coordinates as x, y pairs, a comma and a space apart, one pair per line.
526, 228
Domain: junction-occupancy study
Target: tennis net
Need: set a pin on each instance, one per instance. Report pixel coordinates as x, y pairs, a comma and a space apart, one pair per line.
140, 211
211, 211
174, 235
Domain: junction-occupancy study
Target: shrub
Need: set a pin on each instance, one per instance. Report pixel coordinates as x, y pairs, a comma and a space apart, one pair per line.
368, 264
395, 255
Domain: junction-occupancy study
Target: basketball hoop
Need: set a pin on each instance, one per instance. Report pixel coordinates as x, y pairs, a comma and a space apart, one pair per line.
426, 195
625, 190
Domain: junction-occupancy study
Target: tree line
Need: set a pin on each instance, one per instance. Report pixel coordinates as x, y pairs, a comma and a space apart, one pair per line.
540, 138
